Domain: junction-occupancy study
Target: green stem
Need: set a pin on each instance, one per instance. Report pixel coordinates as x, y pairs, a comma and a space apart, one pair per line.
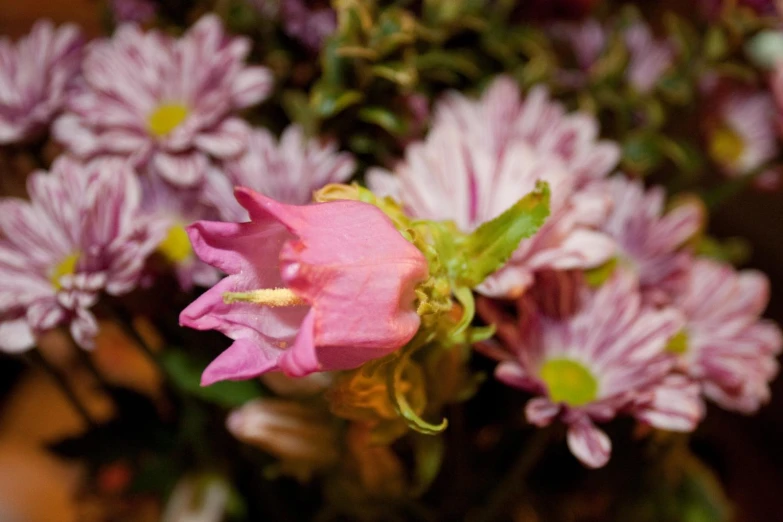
514, 481
36, 359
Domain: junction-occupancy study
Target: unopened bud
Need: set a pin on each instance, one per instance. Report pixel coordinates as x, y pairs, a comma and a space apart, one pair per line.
302, 437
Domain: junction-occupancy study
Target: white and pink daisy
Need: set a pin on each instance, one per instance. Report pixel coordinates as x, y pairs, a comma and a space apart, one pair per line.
586, 41
80, 234
289, 170
725, 346
608, 358
173, 209
311, 26
650, 241
482, 156
744, 136
169, 104
137, 11
303, 21
648, 58
35, 74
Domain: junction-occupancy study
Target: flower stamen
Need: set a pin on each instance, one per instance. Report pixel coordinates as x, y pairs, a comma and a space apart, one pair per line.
274, 297
175, 247
569, 382
166, 117
65, 267
726, 146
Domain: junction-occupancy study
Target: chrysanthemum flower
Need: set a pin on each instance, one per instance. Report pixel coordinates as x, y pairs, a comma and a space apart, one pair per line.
173, 209
80, 234
586, 41
725, 345
607, 358
311, 26
482, 156
168, 104
649, 58
310, 288
743, 136
34, 76
138, 11
289, 171
649, 240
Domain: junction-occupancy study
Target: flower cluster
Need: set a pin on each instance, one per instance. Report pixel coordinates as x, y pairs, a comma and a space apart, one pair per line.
631, 344
155, 143
363, 246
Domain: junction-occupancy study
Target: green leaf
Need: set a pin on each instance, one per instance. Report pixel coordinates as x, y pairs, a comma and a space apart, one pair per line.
462, 61
428, 453
185, 373
685, 156
491, 245
716, 44
383, 118
400, 73
328, 101
394, 374
734, 250
641, 153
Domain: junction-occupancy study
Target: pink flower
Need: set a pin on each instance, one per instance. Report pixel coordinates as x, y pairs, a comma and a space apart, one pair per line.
587, 41
743, 136
607, 358
726, 347
310, 288
81, 234
482, 156
291, 170
174, 208
648, 240
310, 26
34, 76
168, 104
649, 58
138, 11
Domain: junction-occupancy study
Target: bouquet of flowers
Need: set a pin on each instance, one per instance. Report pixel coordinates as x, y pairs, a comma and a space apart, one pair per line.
386, 260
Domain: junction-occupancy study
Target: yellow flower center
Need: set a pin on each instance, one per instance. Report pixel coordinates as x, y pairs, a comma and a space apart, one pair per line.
569, 382
166, 117
176, 246
726, 146
65, 267
679, 343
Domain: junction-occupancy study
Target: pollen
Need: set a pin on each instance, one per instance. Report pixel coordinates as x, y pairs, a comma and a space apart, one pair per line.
569, 382
166, 117
65, 267
176, 246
